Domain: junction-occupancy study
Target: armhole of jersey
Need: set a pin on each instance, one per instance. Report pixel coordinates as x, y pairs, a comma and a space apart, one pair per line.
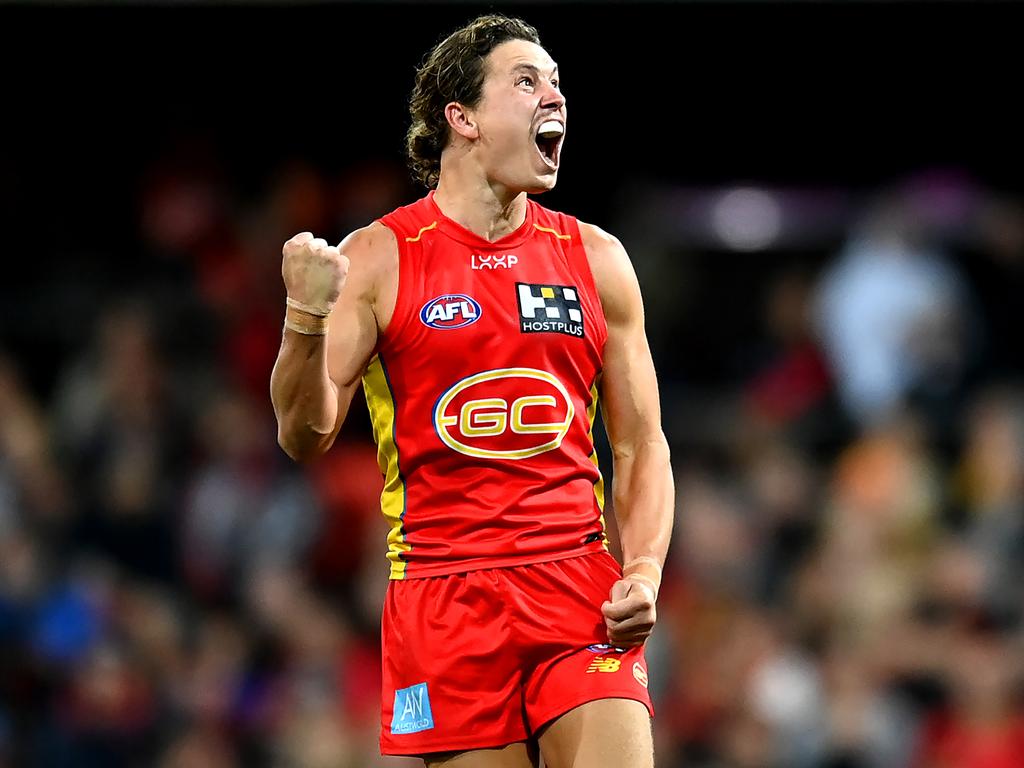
581, 264
400, 315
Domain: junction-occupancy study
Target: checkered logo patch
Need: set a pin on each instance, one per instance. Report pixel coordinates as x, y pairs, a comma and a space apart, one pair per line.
549, 309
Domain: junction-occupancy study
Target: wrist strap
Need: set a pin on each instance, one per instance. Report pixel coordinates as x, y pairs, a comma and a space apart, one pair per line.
307, 308
646, 570
303, 322
644, 560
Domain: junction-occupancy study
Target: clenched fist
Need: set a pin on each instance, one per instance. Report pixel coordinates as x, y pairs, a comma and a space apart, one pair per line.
630, 613
314, 273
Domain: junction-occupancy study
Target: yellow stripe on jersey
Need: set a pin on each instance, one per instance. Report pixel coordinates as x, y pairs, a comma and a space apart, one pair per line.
559, 235
432, 225
599, 485
381, 403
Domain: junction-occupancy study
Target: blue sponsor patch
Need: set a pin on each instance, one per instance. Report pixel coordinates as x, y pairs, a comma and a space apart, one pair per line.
453, 310
412, 710
604, 648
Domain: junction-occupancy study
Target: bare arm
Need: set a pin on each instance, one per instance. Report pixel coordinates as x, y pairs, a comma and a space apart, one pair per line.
642, 488
315, 376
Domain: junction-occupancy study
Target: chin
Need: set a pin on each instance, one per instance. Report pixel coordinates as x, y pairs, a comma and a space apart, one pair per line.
541, 184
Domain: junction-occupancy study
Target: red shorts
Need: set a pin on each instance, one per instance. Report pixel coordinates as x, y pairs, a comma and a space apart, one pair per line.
485, 658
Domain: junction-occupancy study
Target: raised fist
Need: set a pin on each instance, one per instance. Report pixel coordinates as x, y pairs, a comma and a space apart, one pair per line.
314, 273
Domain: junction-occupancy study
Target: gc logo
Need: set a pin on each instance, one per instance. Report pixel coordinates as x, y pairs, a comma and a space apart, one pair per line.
474, 416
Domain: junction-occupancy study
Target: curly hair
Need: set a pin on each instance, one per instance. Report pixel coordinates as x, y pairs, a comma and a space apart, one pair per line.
453, 71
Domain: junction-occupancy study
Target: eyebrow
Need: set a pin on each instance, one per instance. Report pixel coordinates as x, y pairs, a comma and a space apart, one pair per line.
533, 68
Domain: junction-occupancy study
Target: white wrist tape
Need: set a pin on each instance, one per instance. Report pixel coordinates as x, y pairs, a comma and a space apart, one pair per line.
631, 571
643, 559
308, 308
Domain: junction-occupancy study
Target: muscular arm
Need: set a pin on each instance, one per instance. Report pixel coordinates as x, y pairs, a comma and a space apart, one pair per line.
642, 486
315, 377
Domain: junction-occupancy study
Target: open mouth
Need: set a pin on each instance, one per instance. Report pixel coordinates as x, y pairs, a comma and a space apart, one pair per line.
549, 142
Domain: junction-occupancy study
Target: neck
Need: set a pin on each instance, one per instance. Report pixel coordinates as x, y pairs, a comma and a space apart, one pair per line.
484, 207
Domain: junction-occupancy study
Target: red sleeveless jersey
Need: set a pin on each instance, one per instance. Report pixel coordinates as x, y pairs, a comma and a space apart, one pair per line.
482, 395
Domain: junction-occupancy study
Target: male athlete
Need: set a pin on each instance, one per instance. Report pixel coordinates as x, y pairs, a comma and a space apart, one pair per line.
483, 328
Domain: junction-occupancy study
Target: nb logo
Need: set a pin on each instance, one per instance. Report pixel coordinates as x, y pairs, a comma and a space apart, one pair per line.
493, 260
454, 310
603, 664
505, 413
412, 710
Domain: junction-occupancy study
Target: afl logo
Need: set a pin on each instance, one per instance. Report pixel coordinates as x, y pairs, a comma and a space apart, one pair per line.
453, 310
605, 648
505, 413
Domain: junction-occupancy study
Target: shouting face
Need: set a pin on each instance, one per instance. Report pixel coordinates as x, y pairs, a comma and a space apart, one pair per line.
517, 128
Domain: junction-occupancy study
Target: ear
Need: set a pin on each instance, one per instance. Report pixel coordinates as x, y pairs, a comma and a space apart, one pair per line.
461, 120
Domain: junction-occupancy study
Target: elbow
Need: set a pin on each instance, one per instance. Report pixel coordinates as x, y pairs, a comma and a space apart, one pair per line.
298, 450
291, 450
289, 446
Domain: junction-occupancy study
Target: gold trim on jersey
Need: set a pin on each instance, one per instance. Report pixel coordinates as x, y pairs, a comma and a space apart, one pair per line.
599, 485
559, 235
381, 402
432, 225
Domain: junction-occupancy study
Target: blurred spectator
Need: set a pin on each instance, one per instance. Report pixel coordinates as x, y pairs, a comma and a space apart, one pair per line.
984, 724
881, 520
893, 314
32, 489
990, 485
245, 507
119, 429
792, 380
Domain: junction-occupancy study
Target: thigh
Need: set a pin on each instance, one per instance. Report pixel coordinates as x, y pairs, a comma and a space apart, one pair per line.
519, 755
450, 682
565, 643
606, 732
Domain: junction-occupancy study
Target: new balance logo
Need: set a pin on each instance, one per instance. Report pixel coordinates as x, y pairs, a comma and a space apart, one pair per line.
493, 260
604, 664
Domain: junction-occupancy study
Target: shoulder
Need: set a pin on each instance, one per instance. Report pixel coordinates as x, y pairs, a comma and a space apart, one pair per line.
614, 276
601, 244
373, 240
372, 251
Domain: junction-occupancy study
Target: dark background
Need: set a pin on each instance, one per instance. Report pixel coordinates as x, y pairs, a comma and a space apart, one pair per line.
853, 94
844, 586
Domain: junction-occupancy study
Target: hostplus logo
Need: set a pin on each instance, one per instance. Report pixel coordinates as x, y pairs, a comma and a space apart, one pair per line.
549, 309
493, 260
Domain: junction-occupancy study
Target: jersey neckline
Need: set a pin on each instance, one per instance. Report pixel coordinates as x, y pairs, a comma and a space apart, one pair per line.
458, 232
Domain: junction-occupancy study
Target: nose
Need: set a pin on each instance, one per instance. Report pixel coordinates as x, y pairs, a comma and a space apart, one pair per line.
552, 98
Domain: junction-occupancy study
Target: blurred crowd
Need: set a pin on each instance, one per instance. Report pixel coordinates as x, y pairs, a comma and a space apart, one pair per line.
845, 585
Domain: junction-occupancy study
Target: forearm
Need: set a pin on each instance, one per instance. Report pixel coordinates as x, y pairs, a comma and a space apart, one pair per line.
644, 495
304, 397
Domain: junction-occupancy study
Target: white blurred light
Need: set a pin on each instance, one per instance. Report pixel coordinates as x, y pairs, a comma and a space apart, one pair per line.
747, 219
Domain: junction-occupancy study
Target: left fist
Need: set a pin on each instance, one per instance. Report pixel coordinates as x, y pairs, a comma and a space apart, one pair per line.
629, 614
